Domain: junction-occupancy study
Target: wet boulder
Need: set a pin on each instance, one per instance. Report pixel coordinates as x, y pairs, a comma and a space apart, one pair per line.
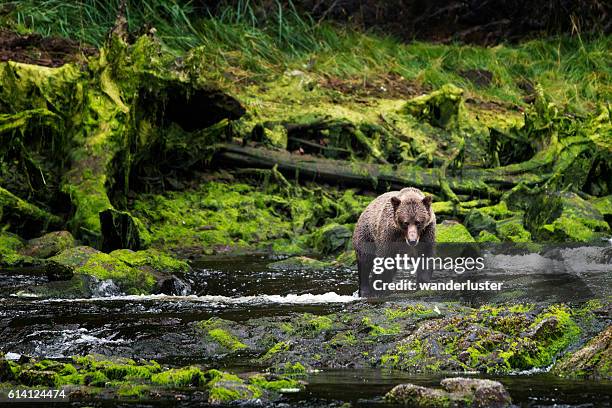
174, 286
226, 388
10, 244
49, 244
455, 392
593, 360
57, 271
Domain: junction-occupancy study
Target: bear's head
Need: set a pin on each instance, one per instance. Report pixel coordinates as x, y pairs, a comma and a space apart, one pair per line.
412, 214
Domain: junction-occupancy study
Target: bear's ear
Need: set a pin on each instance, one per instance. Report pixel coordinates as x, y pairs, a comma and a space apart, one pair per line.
395, 202
427, 201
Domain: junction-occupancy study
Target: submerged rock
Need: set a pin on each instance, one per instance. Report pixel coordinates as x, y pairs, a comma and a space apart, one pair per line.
456, 392
594, 360
49, 244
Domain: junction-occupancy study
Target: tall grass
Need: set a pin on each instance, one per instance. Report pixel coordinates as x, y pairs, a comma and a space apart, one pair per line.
573, 71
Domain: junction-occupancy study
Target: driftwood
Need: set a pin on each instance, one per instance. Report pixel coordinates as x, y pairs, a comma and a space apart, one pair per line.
473, 182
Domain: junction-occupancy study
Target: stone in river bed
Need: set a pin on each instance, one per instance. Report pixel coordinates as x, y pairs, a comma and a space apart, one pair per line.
456, 392
49, 244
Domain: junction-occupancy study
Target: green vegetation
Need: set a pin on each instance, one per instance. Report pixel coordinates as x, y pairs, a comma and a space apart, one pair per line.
573, 71
217, 330
126, 378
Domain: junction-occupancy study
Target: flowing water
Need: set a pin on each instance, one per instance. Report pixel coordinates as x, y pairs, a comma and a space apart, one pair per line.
239, 288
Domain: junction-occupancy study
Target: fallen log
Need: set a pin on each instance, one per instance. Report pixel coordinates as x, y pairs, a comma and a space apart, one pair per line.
379, 177
25, 218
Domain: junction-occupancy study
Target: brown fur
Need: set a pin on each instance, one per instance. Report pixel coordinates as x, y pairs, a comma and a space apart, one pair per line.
383, 224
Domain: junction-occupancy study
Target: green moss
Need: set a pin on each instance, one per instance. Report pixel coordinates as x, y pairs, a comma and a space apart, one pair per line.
416, 310
86, 261
452, 232
310, 325
180, 377
274, 384
10, 244
376, 330
512, 229
217, 330
486, 236
277, 348
151, 258
134, 391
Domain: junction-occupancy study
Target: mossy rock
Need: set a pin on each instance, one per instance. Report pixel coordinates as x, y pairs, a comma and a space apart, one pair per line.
151, 260
10, 245
477, 221
486, 236
593, 360
512, 230
331, 238
49, 244
87, 261
455, 392
452, 232
565, 217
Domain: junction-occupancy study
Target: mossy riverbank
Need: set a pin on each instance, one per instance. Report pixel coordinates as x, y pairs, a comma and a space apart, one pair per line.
282, 352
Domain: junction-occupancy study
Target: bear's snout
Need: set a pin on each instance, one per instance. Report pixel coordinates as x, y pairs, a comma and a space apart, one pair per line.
412, 235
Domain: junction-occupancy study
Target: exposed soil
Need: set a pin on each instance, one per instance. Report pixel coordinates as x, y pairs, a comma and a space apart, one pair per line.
384, 86
479, 77
39, 50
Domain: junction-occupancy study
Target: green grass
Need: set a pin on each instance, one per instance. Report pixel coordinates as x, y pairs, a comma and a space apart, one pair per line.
573, 71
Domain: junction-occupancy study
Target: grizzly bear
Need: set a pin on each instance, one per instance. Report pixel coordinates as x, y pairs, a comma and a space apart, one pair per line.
393, 222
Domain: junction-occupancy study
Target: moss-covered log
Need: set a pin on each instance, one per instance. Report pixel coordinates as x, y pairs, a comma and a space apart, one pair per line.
474, 182
24, 217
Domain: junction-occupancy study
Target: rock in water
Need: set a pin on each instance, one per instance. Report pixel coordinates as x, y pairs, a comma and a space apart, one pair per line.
456, 392
591, 361
57, 271
484, 393
49, 244
174, 286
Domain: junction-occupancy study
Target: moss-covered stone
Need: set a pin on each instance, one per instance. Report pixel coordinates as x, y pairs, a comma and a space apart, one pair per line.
49, 244
10, 245
89, 262
452, 232
151, 260
593, 360
123, 378
512, 229
331, 238
217, 330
